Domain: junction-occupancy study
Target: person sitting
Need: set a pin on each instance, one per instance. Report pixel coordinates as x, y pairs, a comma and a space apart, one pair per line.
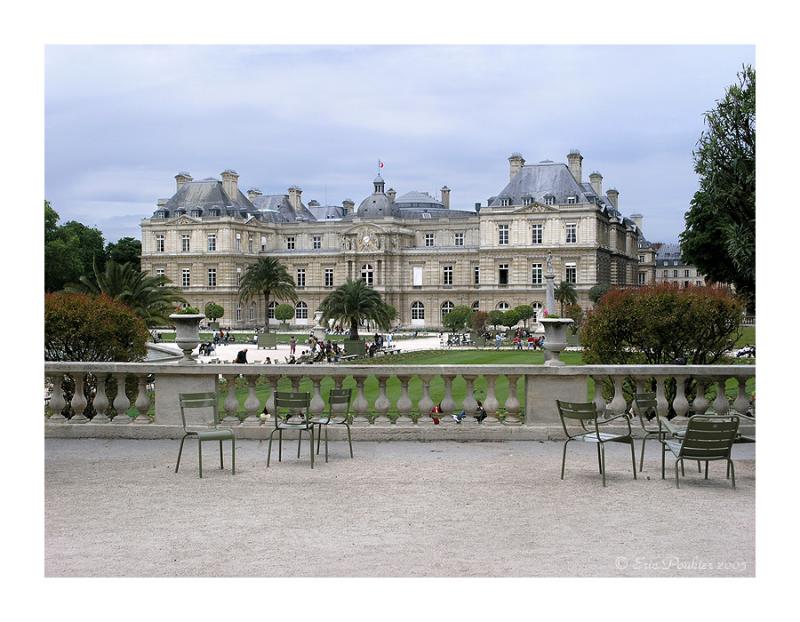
531, 342
480, 413
435, 411
291, 360
241, 357
267, 361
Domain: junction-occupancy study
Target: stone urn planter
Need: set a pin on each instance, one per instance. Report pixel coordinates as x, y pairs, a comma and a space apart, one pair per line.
555, 339
187, 333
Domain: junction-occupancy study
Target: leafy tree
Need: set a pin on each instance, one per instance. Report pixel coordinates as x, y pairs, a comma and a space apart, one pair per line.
657, 324
284, 312
566, 295
523, 313
213, 311
148, 296
354, 302
598, 291
82, 327
126, 250
269, 278
456, 320
719, 237
496, 318
70, 250
575, 313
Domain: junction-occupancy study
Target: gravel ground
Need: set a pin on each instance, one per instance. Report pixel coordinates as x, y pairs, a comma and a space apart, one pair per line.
116, 508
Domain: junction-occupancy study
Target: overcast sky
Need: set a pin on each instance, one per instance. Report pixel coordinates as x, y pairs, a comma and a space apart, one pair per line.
122, 121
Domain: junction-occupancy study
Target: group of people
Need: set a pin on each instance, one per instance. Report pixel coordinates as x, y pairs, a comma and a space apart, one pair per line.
520, 338
320, 351
379, 342
222, 337
480, 414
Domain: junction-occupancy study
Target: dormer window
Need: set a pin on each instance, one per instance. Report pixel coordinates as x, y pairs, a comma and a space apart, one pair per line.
162, 213
572, 200
549, 199
214, 211
505, 201
196, 213
527, 200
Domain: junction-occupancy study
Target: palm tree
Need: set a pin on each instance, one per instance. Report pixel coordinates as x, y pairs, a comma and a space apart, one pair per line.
149, 296
354, 302
267, 277
565, 294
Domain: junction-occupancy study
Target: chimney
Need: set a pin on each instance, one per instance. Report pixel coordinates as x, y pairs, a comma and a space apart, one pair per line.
295, 192
574, 159
348, 206
230, 183
446, 197
613, 196
596, 179
477, 207
637, 220
182, 178
391, 193
253, 193
516, 162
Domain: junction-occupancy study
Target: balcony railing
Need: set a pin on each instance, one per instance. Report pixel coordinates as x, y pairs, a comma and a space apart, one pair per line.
389, 395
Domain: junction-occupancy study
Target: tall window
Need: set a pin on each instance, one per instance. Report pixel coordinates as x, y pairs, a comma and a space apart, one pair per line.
301, 311
416, 276
459, 239
263, 243
641, 258
674, 274
502, 234
238, 276
316, 242
447, 307
301, 277
252, 311
537, 310
212, 242
290, 243
686, 273
249, 243
571, 273
238, 313
417, 311
367, 274
212, 277
328, 277
185, 242
536, 234
447, 275
536, 274
271, 310
428, 239
186, 278
666, 273
572, 233
159, 242
476, 275
641, 278
502, 274
238, 245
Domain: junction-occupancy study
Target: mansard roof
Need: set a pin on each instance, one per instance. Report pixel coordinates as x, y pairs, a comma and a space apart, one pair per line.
206, 194
537, 180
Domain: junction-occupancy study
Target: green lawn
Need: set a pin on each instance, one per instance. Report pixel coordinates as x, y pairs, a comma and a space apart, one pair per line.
748, 337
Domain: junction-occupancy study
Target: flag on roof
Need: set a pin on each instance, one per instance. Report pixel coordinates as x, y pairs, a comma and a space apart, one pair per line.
380, 164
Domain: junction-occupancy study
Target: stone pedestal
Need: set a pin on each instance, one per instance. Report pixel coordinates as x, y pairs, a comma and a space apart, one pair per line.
187, 333
555, 339
168, 408
543, 391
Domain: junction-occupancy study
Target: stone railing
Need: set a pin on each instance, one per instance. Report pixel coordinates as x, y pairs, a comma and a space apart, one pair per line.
388, 400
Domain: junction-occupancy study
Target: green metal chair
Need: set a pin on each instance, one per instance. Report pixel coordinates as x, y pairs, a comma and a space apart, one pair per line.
585, 413
706, 438
293, 404
338, 404
645, 407
190, 401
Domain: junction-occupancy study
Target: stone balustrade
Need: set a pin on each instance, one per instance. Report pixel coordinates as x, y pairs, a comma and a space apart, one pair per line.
388, 401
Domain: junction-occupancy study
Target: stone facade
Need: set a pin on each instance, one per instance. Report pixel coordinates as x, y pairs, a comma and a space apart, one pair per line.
672, 268
421, 255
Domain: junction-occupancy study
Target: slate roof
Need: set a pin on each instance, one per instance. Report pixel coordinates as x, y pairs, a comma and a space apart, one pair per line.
277, 208
327, 212
416, 199
377, 205
204, 195
537, 180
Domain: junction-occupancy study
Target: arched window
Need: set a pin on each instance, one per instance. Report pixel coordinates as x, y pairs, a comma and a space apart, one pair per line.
502, 306
271, 310
476, 305
417, 311
367, 274
537, 310
252, 311
301, 311
447, 307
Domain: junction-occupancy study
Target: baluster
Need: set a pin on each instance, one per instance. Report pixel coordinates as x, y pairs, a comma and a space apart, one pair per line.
700, 402
121, 402
231, 404
512, 401
79, 401
470, 404
273, 382
599, 401
404, 402
742, 403
490, 404
721, 404
680, 404
661, 397
426, 403
100, 401
296, 384
142, 401
360, 406
251, 404
317, 406
447, 405
618, 404
57, 402
382, 401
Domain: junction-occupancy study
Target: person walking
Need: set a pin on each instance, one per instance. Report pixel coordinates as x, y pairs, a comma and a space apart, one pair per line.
498, 341
292, 344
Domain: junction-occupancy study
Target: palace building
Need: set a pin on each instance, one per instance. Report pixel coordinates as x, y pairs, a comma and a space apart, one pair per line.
422, 256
